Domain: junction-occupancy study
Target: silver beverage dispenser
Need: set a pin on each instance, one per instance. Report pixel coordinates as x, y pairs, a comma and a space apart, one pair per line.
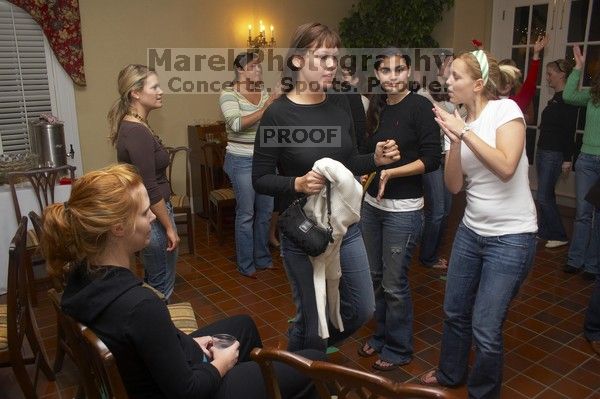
48, 142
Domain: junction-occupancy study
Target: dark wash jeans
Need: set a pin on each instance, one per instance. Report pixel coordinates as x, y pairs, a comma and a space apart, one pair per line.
583, 252
390, 239
549, 167
357, 302
591, 327
484, 275
439, 203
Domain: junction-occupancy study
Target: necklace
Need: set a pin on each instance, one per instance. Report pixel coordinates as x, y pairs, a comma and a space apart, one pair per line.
145, 122
139, 118
388, 102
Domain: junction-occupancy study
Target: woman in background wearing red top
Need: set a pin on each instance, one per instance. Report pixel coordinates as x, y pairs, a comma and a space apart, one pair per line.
524, 94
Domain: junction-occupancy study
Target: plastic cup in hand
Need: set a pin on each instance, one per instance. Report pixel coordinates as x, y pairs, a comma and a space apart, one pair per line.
222, 341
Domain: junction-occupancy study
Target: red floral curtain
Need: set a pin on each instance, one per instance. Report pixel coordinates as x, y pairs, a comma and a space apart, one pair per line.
62, 26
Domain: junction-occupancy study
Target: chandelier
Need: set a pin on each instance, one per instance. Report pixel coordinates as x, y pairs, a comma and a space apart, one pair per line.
260, 40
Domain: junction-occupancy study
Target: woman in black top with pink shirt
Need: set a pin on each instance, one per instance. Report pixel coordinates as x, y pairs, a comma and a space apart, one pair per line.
392, 213
311, 64
136, 143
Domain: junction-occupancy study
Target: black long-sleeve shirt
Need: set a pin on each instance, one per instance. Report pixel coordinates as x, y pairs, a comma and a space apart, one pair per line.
557, 128
410, 123
275, 145
156, 360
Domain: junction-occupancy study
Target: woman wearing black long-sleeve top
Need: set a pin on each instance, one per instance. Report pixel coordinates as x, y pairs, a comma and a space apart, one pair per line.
392, 213
306, 106
93, 249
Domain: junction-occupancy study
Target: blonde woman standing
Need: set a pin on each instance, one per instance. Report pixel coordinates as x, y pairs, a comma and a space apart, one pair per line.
138, 145
494, 246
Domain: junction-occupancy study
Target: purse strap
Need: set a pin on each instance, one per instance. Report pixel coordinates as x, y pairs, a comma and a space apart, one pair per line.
328, 193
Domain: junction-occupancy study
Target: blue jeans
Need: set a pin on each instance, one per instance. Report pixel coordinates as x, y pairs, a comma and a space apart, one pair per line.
159, 264
484, 275
252, 216
391, 238
549, 167
591, 326
356, 292
583, 252
439, 202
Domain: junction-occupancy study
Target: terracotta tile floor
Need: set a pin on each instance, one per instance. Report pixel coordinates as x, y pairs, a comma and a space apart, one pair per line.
546, 354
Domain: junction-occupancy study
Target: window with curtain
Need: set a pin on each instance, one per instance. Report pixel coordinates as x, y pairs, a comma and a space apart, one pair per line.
24, 87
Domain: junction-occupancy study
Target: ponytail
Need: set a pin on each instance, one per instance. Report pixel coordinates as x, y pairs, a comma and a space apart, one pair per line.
131, 78
58, 241
115, 116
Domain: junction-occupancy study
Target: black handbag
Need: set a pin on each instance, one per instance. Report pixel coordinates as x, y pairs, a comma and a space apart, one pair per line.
304, 232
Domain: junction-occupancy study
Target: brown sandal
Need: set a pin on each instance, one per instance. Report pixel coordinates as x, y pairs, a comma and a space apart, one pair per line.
441, 264
366, 350
429, 378
384, 365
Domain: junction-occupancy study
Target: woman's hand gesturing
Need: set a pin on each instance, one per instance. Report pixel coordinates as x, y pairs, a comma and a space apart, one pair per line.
451, 124
579, 58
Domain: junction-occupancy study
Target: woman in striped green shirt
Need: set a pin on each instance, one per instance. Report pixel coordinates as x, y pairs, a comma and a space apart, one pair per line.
242, 105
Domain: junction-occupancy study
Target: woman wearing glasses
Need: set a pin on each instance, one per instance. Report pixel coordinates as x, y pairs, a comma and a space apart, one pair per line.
554, 153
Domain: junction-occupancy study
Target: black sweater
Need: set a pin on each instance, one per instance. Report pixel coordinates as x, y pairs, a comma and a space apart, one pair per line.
411, 124
296, 159
155, 358
557, 129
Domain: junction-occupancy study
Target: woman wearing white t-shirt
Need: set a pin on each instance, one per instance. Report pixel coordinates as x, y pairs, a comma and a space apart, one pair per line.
495, 243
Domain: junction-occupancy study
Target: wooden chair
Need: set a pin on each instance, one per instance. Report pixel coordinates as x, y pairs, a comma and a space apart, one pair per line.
20, 321
104, 366
182, 315
220, 193
43, 181
181, 203
347, 382
68, 342
99, 375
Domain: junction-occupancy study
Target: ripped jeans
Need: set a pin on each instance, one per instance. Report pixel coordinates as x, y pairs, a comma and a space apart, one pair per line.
390, 239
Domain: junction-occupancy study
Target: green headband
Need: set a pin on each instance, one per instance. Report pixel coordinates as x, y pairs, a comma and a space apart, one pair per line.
483, 64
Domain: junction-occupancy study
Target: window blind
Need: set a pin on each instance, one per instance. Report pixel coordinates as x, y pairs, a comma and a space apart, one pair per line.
24, 89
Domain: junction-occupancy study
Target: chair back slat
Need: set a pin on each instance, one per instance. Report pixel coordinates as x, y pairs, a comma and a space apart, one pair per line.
174, 154
214, 177
18, 307
36, 222
43, 182
20, 319
104, 365
348, 383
